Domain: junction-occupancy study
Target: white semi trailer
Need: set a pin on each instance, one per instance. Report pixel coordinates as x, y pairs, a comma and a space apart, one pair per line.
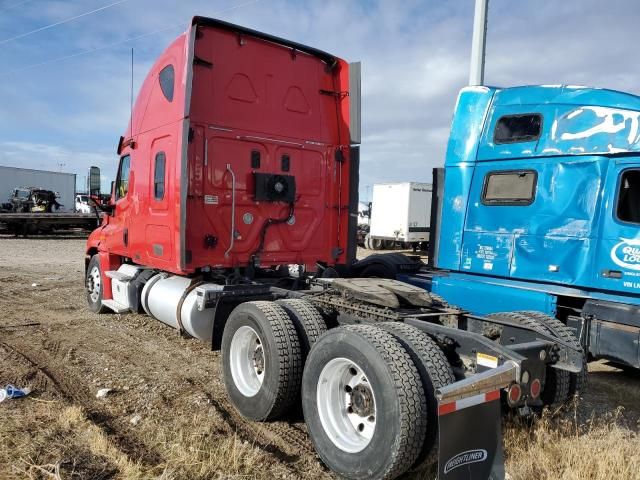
400, 214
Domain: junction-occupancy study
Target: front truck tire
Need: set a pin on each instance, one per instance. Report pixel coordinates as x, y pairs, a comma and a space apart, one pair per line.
94, 286
363, 403
261, 360
435, 372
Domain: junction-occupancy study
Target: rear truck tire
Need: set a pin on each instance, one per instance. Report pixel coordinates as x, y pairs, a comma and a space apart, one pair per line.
307, 321
261, 360
376, 244
363, 403
378, 270
367, 242
555, 391
94, 286
435, 372
577, 381
388, 244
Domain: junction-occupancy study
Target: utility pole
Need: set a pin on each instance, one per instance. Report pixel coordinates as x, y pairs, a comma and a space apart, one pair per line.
478, 43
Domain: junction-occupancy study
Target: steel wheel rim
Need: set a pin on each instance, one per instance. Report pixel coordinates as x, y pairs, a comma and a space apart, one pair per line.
93, 284
247, 361
346, 405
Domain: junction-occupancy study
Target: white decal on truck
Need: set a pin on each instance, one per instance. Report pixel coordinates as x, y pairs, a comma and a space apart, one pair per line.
465, 458
626, 253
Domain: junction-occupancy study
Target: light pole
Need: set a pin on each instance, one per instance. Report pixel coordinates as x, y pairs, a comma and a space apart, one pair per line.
478, 43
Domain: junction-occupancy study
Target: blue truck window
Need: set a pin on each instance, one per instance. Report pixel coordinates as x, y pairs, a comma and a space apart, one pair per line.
167, 78
518, 128
628, 208
509, 187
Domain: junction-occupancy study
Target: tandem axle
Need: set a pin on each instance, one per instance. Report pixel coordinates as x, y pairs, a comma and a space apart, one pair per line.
279, 343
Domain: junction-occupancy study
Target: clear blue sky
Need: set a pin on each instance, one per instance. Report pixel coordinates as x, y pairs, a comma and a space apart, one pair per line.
68, 114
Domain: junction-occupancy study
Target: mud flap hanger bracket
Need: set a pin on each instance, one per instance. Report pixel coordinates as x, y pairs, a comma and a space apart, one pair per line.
484, 382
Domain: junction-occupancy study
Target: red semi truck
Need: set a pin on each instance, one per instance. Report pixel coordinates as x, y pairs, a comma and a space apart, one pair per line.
233, 213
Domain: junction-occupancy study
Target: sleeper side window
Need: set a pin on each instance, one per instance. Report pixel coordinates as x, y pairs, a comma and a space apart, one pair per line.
628, 206
158, 176
518, 128
514, 187
122, 181
167, 80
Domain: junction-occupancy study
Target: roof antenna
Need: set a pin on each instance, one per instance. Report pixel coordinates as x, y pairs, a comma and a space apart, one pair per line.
131, 101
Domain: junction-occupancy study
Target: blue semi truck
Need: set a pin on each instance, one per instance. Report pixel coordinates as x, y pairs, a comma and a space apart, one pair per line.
538, 208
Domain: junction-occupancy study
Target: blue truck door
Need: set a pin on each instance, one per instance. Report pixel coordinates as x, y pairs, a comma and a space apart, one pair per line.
617, 263
616, 268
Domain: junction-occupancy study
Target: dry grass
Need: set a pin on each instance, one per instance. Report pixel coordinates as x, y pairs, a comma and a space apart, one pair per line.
193, 449
41, 440
73, 421
560, 446
48, 440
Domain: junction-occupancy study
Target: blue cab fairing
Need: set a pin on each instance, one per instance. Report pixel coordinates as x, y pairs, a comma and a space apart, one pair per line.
572, 228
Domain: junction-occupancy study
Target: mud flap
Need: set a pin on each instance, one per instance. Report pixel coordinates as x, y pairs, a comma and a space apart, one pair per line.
471, 438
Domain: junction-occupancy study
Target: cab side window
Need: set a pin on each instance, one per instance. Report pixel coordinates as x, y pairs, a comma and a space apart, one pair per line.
628, 208
510, 187
122, 181
158, 176
167, 80
518, 128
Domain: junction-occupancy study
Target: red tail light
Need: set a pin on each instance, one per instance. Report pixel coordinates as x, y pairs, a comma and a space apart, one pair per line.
514, 394
536, 387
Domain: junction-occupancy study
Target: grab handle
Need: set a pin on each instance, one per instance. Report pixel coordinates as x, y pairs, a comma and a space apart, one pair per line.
233, 210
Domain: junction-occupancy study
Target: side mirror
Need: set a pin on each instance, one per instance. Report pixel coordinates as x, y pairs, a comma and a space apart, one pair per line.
94, 181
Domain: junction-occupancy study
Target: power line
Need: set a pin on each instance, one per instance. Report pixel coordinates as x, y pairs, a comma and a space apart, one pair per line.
14, 5
85, 52
61, 22
120, 42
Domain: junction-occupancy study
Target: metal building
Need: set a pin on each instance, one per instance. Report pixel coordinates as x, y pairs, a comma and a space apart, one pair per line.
62, 183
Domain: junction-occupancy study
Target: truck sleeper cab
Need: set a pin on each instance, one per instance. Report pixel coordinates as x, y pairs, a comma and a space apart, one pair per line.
235, 206
539, 208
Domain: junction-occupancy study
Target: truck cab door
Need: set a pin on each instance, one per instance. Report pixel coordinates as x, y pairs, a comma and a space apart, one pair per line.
617, 264
117, 232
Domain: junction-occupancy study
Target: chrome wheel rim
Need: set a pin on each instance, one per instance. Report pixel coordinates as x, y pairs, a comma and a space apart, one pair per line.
346, 405
247, 361
93, 284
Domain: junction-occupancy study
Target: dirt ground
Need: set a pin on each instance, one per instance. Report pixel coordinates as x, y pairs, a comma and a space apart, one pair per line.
167, 415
